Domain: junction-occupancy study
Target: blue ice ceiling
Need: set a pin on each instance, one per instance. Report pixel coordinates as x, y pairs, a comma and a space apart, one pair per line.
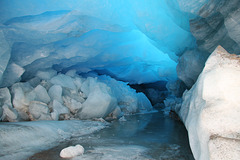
137, 41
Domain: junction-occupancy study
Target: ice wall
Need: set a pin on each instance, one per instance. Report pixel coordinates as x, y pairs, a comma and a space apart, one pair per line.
210, 110
133, 41
213, 23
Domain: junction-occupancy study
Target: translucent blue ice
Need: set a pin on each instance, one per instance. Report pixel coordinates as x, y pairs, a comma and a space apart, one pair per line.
134, 41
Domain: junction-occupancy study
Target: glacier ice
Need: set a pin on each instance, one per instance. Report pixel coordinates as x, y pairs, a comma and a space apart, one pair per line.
118, 39
210, 109
24, 139
7, 112
46, 74
12, 74
59, 110
5, 54
63, 97
55, 92
213, 23
190, 65
64, 81
38, 111
99, 103
53, 53
40, 94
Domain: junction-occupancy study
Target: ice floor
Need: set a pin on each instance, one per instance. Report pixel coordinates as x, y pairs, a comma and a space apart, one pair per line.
20, 140
143, 137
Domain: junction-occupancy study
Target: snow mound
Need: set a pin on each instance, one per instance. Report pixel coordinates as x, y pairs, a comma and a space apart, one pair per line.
211, 109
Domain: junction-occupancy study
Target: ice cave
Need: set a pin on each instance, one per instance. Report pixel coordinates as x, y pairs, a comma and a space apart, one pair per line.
120, 79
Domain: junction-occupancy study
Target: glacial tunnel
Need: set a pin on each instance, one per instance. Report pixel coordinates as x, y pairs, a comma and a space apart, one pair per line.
88, 59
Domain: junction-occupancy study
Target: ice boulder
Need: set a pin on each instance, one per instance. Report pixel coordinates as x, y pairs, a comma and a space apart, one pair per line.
22, 98
34, 82
55, 93
73, 105
144, 105
73, 94
99, 103
59, 110
126, 97
7, 112
40, 94
211, 110
12, 74
72, 151
64, 81
39, 111
5, 97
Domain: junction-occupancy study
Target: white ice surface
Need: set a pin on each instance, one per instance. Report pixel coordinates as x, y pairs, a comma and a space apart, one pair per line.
211, 110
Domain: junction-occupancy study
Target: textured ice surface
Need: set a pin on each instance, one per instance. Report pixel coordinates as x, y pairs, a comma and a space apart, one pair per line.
134, 41
210, 110
190, 66
22, 139
215, 22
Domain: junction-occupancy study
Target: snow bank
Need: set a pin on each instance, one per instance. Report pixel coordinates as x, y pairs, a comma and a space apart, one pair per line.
211, 110
56, 97
22, 139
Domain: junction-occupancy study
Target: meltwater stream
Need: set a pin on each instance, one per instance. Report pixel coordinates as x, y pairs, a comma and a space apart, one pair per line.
143, 137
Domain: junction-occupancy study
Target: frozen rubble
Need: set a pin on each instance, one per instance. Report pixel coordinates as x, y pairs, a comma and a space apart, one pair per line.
211, 110
22, 139
50, 96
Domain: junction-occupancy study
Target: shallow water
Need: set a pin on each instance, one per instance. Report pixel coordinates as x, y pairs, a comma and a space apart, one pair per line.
144, 137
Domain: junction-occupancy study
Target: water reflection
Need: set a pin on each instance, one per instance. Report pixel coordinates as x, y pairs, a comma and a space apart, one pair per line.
149, 136
130, 127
